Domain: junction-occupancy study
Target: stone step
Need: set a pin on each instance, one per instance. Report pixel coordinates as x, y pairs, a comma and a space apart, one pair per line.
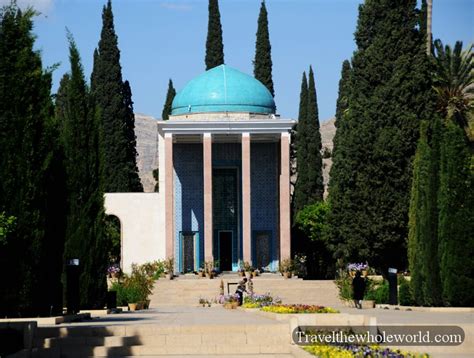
244, 338
152, 330
188, 292
210, 349
172, 352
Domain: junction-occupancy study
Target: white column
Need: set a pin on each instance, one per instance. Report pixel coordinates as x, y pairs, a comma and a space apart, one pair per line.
207, 166
285, 234
246, 197
169, 195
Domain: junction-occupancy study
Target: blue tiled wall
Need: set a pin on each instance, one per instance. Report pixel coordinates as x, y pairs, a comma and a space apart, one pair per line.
229, 155
188, 193
264, 192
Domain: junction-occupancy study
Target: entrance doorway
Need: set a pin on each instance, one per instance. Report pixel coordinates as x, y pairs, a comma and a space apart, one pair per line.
262, 248
226, 216
225, 250
188, 252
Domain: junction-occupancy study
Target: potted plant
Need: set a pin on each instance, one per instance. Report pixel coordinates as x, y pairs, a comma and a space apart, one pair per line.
209, 268
286, 268
169, 267
134, 297
247, 268
201, 272
231, 302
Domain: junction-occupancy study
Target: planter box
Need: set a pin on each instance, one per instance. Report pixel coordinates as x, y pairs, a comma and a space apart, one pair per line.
366, 304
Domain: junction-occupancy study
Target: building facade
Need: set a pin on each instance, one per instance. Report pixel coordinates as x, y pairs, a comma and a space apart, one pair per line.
224, 175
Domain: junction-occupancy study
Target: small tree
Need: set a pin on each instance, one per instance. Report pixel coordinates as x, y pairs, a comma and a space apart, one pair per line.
312, 220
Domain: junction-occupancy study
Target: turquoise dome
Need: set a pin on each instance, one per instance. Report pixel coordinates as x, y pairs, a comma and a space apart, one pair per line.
223, 89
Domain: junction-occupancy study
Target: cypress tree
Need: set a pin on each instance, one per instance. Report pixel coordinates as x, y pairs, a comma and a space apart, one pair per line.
263, 51
85, 222
134, 184
341, 174
299, 148
423, 217
165, 114
314, 186
120, 168
456, 208
214, 43
390, 92
309, 184
30, 168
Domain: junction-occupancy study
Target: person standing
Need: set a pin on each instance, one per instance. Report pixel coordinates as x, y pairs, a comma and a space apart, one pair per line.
241, 288
358, 289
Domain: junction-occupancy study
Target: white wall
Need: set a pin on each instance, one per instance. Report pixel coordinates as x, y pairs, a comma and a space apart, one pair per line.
142, 222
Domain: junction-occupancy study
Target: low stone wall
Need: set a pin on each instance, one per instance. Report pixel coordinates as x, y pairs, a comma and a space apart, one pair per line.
26, 329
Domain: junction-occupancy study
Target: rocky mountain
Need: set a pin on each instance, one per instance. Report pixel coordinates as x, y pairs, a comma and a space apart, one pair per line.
147, 147
328, 130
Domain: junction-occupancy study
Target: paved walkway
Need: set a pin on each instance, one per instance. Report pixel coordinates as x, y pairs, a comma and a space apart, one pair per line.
179, 316
414, 317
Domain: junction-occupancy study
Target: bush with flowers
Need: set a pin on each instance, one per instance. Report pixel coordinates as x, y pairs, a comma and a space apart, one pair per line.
358, 266
222, 299
359, 351
113, 270
256, 301
298, 308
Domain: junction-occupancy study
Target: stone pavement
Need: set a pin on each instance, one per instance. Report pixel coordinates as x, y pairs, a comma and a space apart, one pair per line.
168, 331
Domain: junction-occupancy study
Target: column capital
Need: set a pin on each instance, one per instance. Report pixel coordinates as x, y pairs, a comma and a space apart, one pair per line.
245, 134
207, 135
168, 135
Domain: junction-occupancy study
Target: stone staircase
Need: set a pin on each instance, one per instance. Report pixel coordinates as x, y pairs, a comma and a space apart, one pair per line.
186, 290
248, 341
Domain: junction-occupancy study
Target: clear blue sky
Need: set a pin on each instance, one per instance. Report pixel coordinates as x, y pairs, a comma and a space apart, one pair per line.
160, 39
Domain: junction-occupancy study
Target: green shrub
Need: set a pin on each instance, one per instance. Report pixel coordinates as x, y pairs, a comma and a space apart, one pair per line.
377, 292
135, 287
121, 293
405, 297
344, 284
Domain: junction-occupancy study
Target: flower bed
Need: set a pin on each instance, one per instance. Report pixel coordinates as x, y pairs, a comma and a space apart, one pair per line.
360, 351
289, 309
257, 301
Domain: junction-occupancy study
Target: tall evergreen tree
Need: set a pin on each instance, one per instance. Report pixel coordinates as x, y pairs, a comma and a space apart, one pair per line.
309, 185
299, 149
341, 175
85, 223
214, 43
120, 169
263, 51
390, 92
314, 186
454, 81
423, 218
135, 184
456, 209
165, 115
31, 188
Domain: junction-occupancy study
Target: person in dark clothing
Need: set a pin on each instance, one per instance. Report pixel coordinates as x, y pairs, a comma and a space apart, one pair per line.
241, 289
358, 289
